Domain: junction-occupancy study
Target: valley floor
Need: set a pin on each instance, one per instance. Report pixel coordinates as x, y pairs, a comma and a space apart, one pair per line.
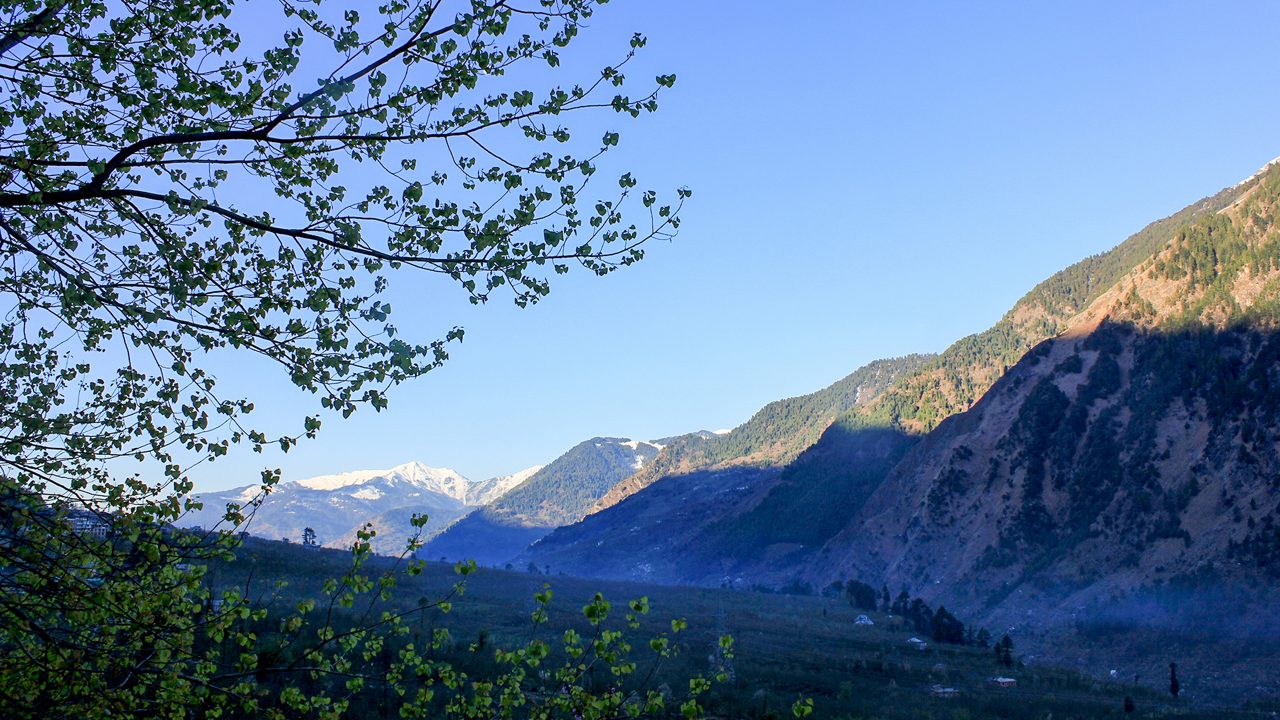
787, 647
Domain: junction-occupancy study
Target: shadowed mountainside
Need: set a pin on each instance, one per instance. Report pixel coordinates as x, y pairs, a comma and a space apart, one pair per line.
736, 525
1132, 452
795, 511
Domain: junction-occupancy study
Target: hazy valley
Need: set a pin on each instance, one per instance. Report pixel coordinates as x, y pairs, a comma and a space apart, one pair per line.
985, 451
1103, 460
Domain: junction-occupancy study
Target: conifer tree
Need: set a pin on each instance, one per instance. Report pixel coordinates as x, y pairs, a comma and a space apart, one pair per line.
1004, 651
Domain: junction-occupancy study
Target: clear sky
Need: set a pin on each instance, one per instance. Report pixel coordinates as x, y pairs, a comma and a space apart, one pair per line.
870, 179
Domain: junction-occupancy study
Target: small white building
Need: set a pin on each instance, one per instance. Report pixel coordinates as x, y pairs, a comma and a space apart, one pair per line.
943, 692
917, 643
89, 526
864, 620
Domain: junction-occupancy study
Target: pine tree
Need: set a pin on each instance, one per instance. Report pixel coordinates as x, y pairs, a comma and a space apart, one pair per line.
947, 628
983, 640
1174, 686
920, 615
861, 595
1004, 651
901, 603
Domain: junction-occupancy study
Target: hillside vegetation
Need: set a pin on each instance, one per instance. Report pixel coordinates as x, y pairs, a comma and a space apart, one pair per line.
776, 434
955, 379
558, 494
1128, 461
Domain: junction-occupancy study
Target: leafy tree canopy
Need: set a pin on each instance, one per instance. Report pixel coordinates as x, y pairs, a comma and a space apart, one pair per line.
172, 186
167, 191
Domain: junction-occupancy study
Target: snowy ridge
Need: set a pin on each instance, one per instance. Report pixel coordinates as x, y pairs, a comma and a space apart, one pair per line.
1261, 170
483, 493
441, 480
336, 506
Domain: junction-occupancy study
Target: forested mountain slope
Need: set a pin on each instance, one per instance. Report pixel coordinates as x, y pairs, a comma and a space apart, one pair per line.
1137, 447
956, 378
1116, 492
783, 518
776, 434
558, 494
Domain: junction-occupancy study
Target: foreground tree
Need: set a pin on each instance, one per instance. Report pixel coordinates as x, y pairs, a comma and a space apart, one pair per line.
171, 187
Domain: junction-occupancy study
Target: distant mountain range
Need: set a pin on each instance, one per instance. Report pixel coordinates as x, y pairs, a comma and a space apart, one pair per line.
337, 506
491, 521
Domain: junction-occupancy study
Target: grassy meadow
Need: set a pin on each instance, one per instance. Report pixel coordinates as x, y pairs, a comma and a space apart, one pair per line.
786, 646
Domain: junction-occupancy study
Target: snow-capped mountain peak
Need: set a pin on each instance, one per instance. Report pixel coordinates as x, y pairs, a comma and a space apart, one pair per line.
442, 480
335, 506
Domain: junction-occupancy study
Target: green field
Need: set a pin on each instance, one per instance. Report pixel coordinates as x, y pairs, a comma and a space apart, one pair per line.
787, 647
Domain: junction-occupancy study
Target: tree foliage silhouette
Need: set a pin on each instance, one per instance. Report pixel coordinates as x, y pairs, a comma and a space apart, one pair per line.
174, 187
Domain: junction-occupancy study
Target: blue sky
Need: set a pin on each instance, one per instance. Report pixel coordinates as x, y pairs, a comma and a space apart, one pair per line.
870, 179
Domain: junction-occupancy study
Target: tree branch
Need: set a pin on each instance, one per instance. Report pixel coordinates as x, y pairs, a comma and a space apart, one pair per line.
31, 26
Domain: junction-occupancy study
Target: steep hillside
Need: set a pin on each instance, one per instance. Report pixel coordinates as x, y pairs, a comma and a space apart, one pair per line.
1120, 485
560, 493
828, 483
780, 525
956, 378
654, 535
1141, 442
